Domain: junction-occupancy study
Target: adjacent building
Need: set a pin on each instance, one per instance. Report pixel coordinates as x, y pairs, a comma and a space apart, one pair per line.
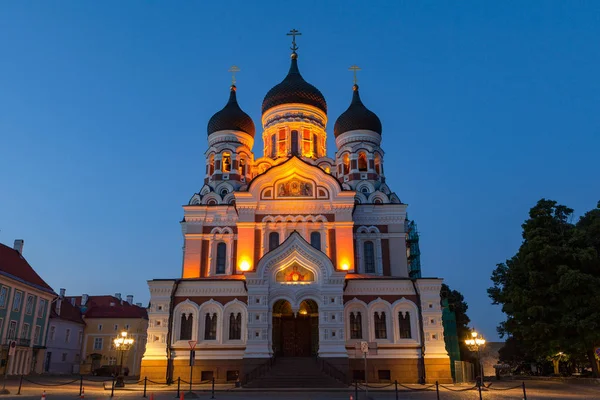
106, 317
296, 254
25, 300
65, 337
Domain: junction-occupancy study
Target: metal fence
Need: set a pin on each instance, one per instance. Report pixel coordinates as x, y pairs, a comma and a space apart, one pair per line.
464, 372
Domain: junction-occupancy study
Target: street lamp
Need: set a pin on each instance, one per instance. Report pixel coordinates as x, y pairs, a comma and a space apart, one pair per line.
475, 342
122, 344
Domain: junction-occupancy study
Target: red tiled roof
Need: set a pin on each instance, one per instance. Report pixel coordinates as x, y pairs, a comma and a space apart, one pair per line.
68, 311
13, 265
110, 307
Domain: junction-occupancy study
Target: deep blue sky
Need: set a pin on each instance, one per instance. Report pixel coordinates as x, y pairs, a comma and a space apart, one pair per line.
486, 107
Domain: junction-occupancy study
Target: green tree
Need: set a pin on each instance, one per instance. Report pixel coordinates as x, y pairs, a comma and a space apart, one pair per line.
457, 303
548, 290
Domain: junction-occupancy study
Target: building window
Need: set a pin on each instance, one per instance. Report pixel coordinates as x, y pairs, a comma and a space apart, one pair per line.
295, 145
380, 328
221, 254
346, 160
378, 168
42, 309
315, 240
226, 162
98, 343
242, 167
185, 333
64, 357
80, 339
404, 321
29, 305
99, 327
362, 161
67, 336
112, 361
235, 326
25, 331
17, 301
210, 327
282, 148
316, 146
211, 165
273, 240
12, 330
273, 146
36, 334
52, 332
3, 296
116, 327
355, 325
369, 256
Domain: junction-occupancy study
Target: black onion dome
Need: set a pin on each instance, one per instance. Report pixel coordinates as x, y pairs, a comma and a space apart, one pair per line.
294, 89
357, 116
231, 117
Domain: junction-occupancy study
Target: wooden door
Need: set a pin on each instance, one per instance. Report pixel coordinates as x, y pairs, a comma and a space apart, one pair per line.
288, 336
303, 337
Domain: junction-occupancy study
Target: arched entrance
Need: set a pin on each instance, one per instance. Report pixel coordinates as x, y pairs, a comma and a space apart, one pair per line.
295, 334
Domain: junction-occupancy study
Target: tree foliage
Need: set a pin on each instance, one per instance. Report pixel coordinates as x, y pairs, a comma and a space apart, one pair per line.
549, 289
457, 303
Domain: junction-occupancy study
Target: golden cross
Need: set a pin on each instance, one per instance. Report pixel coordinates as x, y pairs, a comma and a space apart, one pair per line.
293, 33
354, 68
233, 70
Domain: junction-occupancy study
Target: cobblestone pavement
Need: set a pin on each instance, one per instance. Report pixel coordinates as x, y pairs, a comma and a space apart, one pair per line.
536, 390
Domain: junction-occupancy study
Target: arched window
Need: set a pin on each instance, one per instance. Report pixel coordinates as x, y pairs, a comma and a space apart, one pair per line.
242, 167
315, 240
210, 327
369, 256
295, 145
355, 325
211, 165
235, 326
346, 164
226, 162
273, 146
362, 161
377, 164
316, 145
404, 321
224, 192
380, 326
221, 254
273, 240
185, 332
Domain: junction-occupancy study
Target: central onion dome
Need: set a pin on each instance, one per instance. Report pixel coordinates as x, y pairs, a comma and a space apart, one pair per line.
294, 89
356, 117
231, 118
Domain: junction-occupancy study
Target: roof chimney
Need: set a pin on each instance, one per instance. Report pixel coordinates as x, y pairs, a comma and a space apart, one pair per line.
118, 296
19, 245
84, 299
130, 299
62, 292
73, 301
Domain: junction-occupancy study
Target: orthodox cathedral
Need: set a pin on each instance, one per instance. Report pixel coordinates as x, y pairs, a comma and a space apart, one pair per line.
295, 257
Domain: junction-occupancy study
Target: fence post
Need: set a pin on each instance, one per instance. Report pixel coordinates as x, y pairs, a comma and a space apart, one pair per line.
112, 389
396, 383
20, 383
437, 390
356, 389
80, 384
524, 392
145, 383
178, 386
479, 387
213, 388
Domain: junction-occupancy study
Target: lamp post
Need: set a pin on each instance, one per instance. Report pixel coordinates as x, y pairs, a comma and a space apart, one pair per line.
475, 342
122, 343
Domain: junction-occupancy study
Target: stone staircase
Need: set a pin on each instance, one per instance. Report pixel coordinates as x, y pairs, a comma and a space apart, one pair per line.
295, 372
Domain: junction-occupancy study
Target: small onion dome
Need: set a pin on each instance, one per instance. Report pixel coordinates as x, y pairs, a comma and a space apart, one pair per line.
231, 117
357, 116
294, 89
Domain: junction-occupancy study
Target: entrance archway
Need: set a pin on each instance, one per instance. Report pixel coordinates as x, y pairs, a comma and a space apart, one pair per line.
295, 334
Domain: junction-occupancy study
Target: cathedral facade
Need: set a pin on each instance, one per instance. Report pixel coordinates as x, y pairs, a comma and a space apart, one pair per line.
295, 254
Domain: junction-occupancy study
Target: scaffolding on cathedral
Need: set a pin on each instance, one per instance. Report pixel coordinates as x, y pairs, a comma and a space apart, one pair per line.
412, 250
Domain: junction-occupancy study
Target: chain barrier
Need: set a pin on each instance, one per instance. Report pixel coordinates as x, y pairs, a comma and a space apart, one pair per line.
489, 387
50, 384
458, 390
417, 389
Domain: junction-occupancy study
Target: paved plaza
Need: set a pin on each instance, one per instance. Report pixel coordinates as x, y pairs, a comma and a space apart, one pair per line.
95, 390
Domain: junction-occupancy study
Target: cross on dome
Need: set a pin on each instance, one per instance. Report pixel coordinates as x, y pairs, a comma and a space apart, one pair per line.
293, 33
